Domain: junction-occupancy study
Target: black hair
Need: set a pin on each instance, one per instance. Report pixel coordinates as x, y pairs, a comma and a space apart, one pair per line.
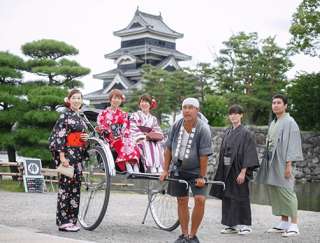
282, 97
235, 109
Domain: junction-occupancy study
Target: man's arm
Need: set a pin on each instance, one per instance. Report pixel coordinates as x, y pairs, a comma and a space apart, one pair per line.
203, 165
167, 160
200, 182
288, 170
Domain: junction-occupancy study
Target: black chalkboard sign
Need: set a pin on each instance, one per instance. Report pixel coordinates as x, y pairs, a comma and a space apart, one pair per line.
33, 180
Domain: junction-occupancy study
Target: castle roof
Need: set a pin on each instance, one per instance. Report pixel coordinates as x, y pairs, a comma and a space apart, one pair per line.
144, 22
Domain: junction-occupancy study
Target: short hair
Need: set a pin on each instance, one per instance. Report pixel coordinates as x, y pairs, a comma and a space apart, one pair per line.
235, 109
145, 97
282, 97
70, 94
116, 92
74, 91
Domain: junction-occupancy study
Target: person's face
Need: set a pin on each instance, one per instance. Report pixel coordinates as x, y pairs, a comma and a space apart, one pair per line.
189, 112
235, 118
115, 101
278, 107
144, 106
75, 101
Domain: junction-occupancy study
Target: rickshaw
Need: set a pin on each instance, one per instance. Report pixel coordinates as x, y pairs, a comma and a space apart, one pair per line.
98, 171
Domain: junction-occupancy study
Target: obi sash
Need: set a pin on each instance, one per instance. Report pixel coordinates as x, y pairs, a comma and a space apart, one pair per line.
74, 140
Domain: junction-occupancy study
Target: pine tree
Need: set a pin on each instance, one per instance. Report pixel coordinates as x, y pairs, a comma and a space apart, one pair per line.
48, 60
11, 67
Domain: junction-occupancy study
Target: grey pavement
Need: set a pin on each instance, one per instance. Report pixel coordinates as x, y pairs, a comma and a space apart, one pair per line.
30, 217
27, 235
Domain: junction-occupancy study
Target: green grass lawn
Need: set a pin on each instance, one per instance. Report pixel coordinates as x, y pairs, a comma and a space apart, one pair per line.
11, 186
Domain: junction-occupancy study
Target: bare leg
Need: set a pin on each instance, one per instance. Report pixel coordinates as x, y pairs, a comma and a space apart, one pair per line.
183, 213
284, 218
197, 214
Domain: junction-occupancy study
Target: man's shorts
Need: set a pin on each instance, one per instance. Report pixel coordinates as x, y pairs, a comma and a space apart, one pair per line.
177, 189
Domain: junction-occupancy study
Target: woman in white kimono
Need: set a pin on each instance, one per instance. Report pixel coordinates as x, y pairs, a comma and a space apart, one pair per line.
147, 133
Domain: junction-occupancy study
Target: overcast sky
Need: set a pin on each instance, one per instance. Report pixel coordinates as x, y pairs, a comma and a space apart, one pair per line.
88, 25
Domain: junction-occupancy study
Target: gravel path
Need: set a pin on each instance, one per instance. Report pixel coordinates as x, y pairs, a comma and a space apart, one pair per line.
123, 221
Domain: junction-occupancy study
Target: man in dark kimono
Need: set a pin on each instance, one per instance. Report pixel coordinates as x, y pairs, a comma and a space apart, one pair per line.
187, 149
237, 159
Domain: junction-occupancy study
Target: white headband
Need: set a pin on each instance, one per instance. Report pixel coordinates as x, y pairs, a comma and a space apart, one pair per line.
191, 101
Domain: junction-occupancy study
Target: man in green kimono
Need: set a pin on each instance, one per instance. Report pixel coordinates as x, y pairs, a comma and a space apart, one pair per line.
276, 170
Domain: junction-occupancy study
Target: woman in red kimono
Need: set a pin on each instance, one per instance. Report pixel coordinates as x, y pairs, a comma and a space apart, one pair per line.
116, 127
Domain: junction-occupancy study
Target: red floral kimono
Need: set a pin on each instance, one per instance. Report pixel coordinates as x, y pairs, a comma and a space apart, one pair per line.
115, 124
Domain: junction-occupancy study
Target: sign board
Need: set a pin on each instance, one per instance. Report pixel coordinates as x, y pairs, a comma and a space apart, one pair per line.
33, 179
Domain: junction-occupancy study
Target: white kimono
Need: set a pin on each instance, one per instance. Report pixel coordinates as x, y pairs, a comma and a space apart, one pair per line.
152, 152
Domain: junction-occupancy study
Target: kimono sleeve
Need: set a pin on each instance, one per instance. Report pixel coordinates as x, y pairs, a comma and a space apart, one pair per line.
102, 121
155, 125
294, 149
205, 146
135, 131
250, 156
57, 139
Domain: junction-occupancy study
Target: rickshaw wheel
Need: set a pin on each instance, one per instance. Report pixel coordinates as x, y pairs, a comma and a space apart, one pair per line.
163, 207
95, 187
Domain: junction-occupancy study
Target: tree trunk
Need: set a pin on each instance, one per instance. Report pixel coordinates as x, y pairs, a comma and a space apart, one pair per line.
12, 158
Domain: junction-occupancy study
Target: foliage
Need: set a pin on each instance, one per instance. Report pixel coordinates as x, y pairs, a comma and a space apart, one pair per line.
154, 85
11, 186
46, 48
48, 60
204, 75
249, 71
255, 110
181, 85
37, 119
305, 100
11, 67
215, 109
168, 88
305, 27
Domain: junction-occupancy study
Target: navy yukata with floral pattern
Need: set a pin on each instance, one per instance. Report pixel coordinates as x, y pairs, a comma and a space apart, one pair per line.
69, 188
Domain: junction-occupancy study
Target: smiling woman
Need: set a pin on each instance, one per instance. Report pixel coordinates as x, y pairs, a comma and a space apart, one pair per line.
68, 146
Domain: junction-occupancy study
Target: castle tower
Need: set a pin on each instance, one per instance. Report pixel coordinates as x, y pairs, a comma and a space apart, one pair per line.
146, 40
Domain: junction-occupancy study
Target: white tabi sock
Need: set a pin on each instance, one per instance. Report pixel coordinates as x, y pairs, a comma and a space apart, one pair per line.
136, 168
129, 168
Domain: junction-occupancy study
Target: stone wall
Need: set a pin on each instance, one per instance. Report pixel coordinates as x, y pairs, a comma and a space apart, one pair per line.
309, 169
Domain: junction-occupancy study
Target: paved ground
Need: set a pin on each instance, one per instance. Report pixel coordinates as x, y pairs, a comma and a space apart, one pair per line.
26, 217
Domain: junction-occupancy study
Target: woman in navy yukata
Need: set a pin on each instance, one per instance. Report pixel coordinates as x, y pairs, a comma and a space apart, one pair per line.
68, 146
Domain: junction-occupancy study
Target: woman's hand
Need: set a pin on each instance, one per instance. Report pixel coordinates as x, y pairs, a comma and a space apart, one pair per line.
65, 162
